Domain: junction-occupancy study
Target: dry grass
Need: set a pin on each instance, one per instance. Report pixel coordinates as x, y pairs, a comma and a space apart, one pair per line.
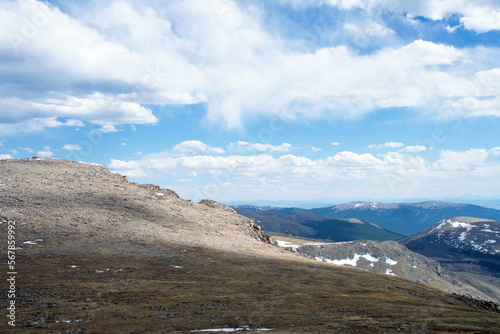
151, 293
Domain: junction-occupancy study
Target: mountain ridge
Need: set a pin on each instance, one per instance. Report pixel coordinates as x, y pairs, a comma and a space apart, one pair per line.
314, 225
402, 218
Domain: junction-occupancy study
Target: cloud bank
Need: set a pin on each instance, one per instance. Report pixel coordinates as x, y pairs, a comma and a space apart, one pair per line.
407, 172
109, 63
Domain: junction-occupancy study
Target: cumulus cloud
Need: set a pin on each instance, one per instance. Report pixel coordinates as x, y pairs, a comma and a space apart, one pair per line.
108, 128
367, 33
194, 146
478, 15
394, 174
413, 149
27, 149
72, 147
391, 144
315, 149
472, 159
5, 157
119, 57
260, 147
45, 153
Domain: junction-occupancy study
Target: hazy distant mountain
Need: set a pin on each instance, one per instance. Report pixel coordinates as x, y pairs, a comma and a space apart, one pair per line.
403, 218
316, 226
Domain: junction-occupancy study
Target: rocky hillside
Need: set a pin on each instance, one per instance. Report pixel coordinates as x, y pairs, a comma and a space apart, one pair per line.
390, 258
468, 247
81, 203
95, 253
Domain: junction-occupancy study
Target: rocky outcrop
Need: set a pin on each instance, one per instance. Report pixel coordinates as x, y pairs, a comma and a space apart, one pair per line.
478, 303
158, 190
217, 205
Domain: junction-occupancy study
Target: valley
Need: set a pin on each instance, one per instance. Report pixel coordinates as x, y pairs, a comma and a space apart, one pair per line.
465, 248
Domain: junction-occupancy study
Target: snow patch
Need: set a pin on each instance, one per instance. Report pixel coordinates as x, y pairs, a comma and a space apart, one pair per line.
287, 244
490, 231
462, 225
350, 262
441, 225
462, 236
390, 262
231, 330
390, 272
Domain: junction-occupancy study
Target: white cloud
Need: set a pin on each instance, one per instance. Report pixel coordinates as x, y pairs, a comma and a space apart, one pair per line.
129, 55
391, 144
27, 149
395, 174
45, 153
193, 146
72, 147
413, 149
487, 83
130, 168
315, 149
476, 107
52, 122
478, 15
464, 160
108, 128
482, 19
5, 156
335, 143
285, 147
368, 29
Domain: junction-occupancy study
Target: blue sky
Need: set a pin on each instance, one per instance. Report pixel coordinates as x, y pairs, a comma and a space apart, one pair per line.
251, 101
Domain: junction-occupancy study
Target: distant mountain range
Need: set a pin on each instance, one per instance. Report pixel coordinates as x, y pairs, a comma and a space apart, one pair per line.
316, 226
401, 218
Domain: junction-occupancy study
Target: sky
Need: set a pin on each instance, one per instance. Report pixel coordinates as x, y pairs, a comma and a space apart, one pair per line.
260, 101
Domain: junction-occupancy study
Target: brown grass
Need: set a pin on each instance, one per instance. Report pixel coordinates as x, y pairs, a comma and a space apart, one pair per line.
149, 293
